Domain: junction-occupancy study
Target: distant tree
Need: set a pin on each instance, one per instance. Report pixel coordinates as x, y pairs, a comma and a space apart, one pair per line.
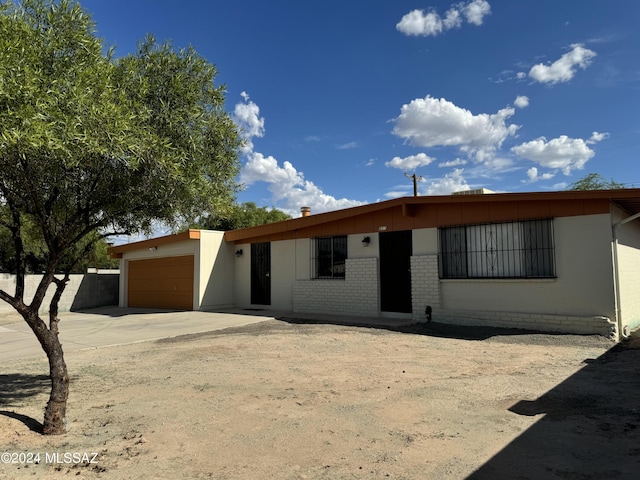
35, 254
242, 215
91, 147
595, 181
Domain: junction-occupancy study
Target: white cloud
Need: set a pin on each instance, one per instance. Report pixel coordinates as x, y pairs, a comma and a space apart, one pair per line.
397, 193
562, 153
533, 175
563, 69
431, 122
246, 116
497, 164
266, 169
288, 187
453, 19
416, 22
475, 11
347, 146
521, 101
597, 137
453, 163
521, 75
426, 23
411, 162
451, 182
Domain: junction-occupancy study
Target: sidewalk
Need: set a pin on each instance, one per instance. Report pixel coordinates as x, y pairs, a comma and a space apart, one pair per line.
116, 326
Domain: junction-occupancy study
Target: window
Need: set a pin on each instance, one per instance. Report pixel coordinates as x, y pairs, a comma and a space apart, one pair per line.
499, 250
329, 257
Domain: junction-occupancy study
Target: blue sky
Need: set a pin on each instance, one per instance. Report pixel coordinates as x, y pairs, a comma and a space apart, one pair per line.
339, 99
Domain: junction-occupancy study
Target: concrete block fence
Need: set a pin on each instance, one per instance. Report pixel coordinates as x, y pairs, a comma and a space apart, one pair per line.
96, 288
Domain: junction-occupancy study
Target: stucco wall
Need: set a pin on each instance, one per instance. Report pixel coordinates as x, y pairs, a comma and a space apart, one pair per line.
242, 276
583, 287
215, 277
96, 289
629, 270
284, 269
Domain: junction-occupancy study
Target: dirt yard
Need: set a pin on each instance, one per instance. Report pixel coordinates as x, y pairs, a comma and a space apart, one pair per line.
282, 400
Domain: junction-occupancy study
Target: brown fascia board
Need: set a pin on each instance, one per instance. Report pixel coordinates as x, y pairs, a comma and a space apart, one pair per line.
624, 196
117, 251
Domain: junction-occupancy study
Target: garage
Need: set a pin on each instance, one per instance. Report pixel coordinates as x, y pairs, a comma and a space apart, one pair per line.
165, 282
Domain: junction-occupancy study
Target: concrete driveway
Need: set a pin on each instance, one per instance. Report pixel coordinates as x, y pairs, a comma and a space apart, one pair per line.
116, 326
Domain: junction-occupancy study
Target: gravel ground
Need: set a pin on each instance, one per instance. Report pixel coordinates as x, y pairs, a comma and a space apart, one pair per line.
291, 400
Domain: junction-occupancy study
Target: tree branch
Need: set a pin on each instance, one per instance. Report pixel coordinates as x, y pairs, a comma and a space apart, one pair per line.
9, 299
55, 300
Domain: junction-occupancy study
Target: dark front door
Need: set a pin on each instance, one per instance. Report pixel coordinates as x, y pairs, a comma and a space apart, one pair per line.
395, 271
261, 273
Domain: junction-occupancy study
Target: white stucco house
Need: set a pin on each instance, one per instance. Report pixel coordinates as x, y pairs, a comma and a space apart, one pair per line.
550, 261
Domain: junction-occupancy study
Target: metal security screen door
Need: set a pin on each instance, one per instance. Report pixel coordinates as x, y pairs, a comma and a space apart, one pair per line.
395, 271
261, 273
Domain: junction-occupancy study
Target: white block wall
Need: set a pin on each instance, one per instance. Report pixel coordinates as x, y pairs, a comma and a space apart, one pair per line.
83, 291
425, 285
595, 325
357, 294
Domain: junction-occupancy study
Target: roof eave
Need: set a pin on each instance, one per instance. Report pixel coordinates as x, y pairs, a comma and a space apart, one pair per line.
119, 250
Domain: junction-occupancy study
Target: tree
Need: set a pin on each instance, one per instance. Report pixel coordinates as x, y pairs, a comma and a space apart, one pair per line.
36, 257
242, 215
92, 146
595, 181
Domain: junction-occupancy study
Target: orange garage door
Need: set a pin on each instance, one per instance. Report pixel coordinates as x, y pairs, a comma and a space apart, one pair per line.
161, 283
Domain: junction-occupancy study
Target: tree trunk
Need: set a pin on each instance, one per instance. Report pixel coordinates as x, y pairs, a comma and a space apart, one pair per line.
56, 411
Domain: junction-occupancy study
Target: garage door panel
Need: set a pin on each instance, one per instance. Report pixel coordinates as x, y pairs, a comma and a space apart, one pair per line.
165, 285
165, 282
152, 300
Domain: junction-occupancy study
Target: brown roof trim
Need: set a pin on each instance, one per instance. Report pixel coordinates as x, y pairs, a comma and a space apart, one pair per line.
628, 199
117, 251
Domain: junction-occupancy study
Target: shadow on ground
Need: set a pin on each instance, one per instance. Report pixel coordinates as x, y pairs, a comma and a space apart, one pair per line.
15, 388
589, 429
589, 425
461, 332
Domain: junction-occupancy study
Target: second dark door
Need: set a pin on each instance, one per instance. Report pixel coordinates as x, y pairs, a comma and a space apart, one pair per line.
395, 271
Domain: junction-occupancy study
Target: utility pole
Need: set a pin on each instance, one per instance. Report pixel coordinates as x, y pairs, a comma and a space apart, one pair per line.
415, 182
